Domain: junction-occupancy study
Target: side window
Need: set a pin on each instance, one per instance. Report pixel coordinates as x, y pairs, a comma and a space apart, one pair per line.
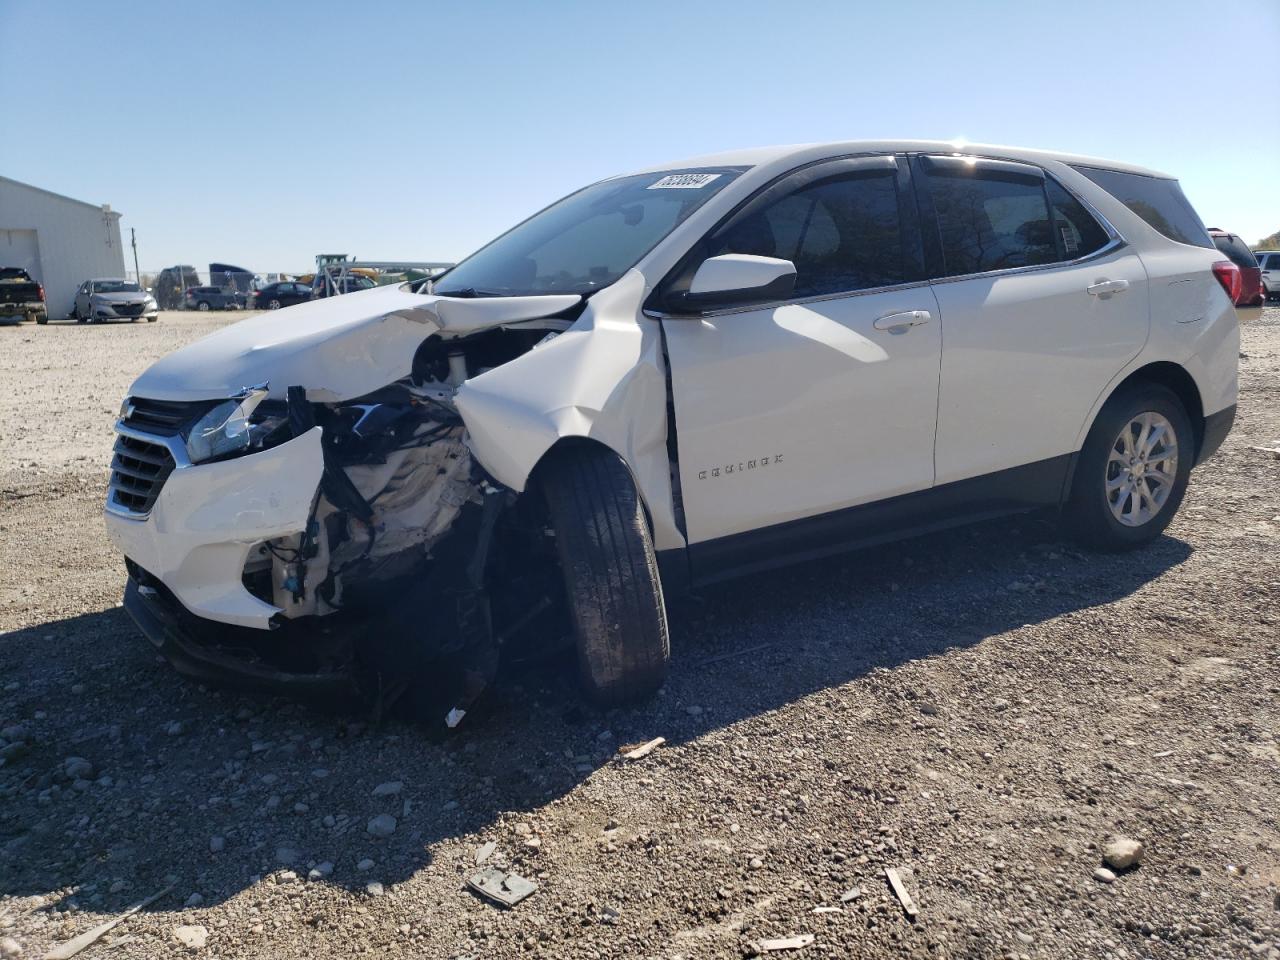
843, 233
1078, 232
990, 218
1161, 203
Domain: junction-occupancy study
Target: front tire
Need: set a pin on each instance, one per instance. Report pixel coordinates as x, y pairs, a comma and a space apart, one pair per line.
610, 575
1133, 469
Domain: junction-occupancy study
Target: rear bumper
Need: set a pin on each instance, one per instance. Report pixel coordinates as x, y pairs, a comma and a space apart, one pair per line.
1216, 427
190, 644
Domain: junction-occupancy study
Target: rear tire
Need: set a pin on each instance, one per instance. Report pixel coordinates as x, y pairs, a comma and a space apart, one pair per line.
202, 305
610, 575
274, 305
1133, 469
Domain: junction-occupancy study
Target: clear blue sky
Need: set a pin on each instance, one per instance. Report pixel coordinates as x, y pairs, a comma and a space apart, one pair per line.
264, 133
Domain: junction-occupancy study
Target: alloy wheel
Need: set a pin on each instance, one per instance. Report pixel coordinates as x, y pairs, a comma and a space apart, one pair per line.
1141, 469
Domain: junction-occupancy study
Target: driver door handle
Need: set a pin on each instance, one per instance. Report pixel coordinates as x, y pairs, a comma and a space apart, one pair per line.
897, 322
1104, 288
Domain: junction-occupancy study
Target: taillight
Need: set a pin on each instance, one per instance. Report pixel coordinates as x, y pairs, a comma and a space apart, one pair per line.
1229, 276
40, 287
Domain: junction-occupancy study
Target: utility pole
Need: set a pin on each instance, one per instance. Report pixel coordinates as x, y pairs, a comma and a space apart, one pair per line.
133, 238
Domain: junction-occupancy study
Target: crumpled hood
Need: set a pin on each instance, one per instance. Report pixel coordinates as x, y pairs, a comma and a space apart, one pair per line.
337, 348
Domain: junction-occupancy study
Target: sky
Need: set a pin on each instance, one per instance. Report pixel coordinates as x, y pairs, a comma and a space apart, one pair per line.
261, 134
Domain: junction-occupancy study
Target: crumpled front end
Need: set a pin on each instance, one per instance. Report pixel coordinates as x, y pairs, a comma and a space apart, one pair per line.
358, 510
195, 527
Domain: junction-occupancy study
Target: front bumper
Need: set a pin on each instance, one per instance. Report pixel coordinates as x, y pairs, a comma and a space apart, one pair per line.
197, 535
102, 312
213, 654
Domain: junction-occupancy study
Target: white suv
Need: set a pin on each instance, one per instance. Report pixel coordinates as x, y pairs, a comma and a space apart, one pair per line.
1269, 262
667, 379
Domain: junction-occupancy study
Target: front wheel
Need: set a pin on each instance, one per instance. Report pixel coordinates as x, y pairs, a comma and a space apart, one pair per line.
610, 575
1133, 469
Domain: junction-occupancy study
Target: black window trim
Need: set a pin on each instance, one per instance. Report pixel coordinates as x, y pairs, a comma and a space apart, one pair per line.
1114, 239
912, 222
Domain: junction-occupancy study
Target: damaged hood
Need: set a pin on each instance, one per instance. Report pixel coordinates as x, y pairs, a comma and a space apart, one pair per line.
337, 348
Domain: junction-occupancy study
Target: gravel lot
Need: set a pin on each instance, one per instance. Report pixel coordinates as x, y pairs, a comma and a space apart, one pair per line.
980, 710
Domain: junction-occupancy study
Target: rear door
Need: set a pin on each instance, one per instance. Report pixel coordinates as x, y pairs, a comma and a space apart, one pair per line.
792, 411
1041, 307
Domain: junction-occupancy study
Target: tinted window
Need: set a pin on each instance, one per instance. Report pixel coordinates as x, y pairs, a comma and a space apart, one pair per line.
587, 240
1079, 234
1236, 250
1159, 202
842, 233
989, 219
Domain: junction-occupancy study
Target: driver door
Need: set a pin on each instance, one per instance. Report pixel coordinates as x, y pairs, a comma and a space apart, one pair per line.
790, 415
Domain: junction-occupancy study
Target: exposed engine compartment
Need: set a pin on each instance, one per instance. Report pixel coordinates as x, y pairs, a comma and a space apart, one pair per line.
402, 496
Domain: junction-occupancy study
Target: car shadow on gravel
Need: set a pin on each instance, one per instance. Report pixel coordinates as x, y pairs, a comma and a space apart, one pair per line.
218, 789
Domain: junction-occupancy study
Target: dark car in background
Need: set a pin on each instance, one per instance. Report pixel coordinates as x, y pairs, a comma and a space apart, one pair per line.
214, 298
283, 294
1237, 251
21, 296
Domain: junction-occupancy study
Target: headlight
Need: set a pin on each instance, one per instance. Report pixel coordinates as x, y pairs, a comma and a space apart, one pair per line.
231, 428
151, 302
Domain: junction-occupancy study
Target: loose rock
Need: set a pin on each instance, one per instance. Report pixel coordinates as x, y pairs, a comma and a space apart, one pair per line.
1121, 853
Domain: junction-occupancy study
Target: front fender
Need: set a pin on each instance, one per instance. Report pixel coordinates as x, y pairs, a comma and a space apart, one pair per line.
602, 379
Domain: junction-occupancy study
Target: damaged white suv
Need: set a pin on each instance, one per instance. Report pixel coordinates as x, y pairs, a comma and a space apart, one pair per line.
662, 380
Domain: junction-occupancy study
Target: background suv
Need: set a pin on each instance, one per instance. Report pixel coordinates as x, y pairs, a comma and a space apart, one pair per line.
214, 298
1269, 263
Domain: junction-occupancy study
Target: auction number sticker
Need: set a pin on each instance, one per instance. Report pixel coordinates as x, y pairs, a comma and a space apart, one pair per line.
684, 181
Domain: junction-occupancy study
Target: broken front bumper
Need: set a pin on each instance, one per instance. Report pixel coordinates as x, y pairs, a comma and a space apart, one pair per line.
224, 655
196, 536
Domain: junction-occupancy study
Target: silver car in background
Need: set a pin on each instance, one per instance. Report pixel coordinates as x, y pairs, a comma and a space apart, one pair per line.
113, 300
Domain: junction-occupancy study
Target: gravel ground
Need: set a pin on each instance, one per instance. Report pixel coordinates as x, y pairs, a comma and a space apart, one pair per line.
982, 711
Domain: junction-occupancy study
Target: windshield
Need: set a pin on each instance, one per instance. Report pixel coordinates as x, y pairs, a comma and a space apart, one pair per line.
587, 240
115, 286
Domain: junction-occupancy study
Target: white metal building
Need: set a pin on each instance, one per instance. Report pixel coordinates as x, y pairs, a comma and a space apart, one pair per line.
61, 242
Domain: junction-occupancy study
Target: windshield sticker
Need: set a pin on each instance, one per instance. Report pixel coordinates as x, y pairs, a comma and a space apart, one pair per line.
684, 181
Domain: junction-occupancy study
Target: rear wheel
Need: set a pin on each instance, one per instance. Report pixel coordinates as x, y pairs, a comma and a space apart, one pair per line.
202, 305
610, 575
273, 304
1133, 469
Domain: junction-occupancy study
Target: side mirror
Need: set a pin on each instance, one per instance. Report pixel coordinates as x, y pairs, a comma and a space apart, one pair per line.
736, 279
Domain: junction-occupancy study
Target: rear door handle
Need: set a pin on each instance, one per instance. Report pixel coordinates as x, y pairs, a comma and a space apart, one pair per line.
897, 322
1104, 288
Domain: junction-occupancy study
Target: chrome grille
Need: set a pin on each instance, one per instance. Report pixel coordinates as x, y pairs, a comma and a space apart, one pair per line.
149, 447
138, 472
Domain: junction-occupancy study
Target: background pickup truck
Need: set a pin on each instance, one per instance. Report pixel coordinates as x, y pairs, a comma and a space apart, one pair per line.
21, 296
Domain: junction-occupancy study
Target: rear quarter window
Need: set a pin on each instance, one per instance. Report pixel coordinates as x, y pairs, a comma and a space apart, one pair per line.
1161, 203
